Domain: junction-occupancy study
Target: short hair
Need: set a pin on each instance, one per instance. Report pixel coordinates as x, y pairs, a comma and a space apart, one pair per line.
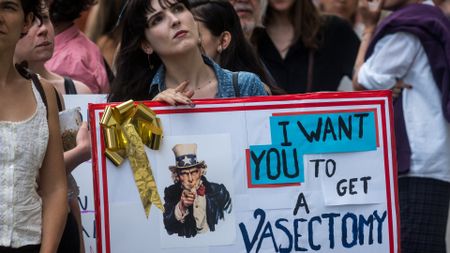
68, 10
32, 6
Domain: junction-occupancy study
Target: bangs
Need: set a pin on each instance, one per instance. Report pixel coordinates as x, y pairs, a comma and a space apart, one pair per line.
164, 4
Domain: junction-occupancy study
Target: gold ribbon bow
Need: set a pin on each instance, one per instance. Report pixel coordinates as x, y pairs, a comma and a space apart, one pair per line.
126, 128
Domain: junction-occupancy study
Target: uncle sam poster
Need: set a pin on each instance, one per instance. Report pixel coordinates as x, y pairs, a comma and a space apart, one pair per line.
311, 172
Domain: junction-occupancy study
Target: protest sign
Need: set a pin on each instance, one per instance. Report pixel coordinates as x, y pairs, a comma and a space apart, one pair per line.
313, 172
83, 175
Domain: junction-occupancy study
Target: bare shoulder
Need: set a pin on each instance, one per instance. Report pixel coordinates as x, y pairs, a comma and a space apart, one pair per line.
51, 92
47, 86
82, 88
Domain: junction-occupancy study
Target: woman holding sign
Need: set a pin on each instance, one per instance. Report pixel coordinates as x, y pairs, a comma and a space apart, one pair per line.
161, 59
32, 178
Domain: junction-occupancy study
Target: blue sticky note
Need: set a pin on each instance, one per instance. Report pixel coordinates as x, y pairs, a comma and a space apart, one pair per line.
276, 165
326, 132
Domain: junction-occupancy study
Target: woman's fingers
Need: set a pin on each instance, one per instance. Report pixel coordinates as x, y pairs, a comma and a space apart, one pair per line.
182, 86
398, 88
173, 97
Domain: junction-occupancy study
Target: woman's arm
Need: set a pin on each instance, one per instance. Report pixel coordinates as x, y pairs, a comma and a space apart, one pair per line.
82, 88
369, 17
81, 152
52, 181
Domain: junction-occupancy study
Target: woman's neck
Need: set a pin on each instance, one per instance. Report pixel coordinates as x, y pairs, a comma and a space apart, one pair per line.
281, 31
280, 19
39, 68
188, 67
8, 70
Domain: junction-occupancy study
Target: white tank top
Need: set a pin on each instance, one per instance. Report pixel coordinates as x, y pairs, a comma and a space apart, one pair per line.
23, 146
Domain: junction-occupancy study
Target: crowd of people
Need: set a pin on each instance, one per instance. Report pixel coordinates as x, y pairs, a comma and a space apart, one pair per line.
174, 51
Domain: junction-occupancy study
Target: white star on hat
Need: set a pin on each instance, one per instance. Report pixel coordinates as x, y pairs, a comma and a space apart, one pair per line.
186, 160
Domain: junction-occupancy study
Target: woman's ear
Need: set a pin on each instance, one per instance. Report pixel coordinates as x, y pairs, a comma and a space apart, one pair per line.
146, 47
225, 40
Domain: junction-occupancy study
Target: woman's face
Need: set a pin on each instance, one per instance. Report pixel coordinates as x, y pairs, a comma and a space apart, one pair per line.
344, 8
282, 5
38, 43
12, 22
170, 31
395, 4
210, 43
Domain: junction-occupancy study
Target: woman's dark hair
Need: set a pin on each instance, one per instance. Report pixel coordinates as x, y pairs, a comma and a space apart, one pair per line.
136, 69
36, 7
306, 20
219, 16
33, 6
68, 10
109, 12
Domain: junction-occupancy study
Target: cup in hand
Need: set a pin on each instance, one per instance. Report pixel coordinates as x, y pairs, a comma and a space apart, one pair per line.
70, 121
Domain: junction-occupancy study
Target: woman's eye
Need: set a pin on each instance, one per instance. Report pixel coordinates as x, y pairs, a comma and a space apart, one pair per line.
156, 20
9, 7
179, 7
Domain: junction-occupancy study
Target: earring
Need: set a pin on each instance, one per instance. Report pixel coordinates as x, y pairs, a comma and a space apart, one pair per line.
149, 62
220, 49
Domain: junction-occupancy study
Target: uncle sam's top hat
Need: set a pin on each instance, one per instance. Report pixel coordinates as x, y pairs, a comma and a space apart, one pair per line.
185, 157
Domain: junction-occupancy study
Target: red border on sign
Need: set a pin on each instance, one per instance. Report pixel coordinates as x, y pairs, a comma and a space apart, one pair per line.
378, 97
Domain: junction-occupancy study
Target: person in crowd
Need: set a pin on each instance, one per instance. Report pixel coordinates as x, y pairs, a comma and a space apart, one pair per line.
75, 55
192, 204
160, 58
444, 5
224, 42
345, 9
303, 50
412, 46
33, 185
250, 13
104, 29
34, 49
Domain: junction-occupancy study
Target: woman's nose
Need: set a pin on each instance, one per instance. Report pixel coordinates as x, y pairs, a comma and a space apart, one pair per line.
175, 20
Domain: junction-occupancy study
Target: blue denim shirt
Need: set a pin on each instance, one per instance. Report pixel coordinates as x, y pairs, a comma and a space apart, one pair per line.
249, 84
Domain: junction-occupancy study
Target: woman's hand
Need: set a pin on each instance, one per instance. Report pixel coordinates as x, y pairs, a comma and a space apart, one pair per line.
370, 11
398, 88
81, 152
179, 95
84, 142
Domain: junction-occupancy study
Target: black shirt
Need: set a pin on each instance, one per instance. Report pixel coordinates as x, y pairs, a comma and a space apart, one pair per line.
333, 60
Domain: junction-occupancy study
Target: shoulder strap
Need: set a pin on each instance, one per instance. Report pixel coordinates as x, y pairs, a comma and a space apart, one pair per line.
69, 86
58, 99
109, 71
40, 89
237, 92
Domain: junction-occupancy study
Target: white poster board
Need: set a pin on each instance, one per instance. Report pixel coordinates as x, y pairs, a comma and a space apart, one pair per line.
311, 172
83, 175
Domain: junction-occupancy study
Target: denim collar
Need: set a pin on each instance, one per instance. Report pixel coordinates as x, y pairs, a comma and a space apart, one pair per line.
160, 75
